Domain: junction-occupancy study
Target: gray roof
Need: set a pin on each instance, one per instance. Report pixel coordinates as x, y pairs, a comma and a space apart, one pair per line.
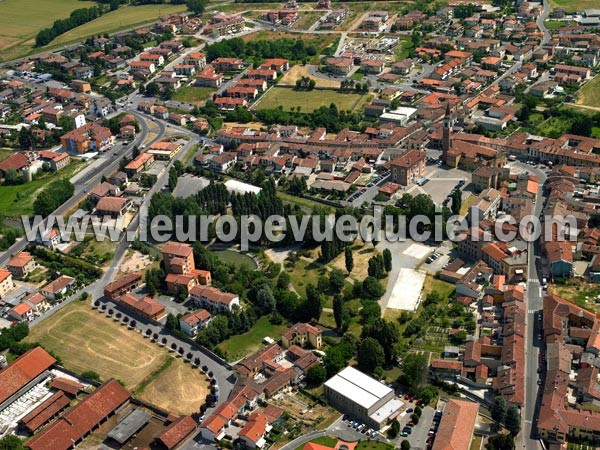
129, 426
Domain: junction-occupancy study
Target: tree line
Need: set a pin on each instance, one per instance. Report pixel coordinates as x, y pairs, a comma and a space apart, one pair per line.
295, 49
54, 195
78, 17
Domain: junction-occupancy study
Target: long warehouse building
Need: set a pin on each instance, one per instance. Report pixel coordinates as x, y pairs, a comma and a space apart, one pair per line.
362, 397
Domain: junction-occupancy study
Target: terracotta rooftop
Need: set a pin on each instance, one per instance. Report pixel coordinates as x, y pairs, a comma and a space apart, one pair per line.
23, 370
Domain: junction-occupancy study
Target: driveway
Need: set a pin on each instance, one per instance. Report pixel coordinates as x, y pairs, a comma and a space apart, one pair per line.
418, 437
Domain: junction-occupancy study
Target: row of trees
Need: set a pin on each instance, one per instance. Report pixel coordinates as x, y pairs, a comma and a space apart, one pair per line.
60, 26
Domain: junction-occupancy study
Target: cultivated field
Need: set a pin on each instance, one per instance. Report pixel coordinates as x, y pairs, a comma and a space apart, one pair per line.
589, 95
123, 18
20, 21
179, 389
574, 5
310, 100
297, 72
84, 339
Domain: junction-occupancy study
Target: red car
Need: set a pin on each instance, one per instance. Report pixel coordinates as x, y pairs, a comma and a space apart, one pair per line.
411, 423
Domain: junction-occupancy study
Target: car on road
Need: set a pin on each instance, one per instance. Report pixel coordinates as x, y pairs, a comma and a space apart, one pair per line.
409, 410
404, 434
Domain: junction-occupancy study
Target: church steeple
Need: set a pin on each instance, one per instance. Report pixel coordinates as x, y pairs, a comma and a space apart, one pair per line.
447, 131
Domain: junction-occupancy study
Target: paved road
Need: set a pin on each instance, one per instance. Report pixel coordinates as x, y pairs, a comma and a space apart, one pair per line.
534, 302
109, 165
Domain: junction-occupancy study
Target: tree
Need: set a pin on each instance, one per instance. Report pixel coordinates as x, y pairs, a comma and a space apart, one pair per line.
265, 300
456, 202
512, 420
498, 409
314, 303
172, 323
405, 445
386, 333
370, 311
338, 311
336, 280
370, 355
500, 442
349, 259
172, 178
11, 442
152, 89
415, 418
12, 177
418, 411
394, 429
316, 376
43, 204
90, 375
414, 368
197, 6
372, 288
387, 259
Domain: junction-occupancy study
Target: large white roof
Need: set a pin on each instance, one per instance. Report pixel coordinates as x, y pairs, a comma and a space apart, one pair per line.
358, 387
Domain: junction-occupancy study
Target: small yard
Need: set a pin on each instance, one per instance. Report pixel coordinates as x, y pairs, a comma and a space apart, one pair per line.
589, 94
244, 344
579, 292
193, 94
327, 441
308, 101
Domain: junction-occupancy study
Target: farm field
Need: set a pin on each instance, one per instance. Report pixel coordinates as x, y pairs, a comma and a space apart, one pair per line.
192, 94
589, 95
20, 21
310, 100
84, 339
574, 5
179, 389
123, 18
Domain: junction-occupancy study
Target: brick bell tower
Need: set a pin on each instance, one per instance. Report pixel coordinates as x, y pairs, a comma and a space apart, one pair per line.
447, 132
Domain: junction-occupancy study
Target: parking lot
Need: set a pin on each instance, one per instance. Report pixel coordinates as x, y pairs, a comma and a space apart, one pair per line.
440, 183
422, 434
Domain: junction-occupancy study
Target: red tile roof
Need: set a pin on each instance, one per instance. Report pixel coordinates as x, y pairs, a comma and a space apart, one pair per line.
177, 432
23, 370
45, 411
66, 385
79, 421
456, 426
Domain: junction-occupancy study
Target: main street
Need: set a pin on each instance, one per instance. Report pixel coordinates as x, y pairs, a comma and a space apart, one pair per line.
533, 303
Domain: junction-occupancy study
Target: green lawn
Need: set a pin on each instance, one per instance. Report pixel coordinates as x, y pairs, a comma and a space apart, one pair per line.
194, 95
243, 344
327, 441
5, 153
123, 18
554, 24
401, 50
554, 127
596, 132
304, 203
20, 21
589, 94
574, 5
18, 200
307, 19
373, 445
310, 100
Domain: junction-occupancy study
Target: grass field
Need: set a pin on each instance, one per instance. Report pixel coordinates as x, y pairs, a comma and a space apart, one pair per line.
589, 94
307, 19
84, 339
20, 21
327, 441
5, 153
574, 5
124, 17
18, 200
178, 389
310, 100
243, 344
194, 95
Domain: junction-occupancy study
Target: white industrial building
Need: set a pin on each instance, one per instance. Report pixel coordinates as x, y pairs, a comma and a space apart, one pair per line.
362, 397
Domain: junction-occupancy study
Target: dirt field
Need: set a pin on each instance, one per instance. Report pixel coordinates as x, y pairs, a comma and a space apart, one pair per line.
299, 71
179, 389
134, 261
361, 254
86, 340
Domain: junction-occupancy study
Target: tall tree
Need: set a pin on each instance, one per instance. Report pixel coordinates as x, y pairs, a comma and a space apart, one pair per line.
387, 259
370, 355
314, 303
349, 259
498, 409
338, 311
513, 420
414, 368
197, 6
386, 333
456, 201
